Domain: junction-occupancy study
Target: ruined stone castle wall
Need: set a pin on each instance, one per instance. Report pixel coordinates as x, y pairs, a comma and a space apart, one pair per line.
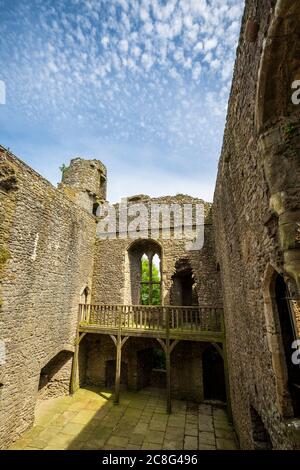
113, 275
84, 181
247, 242
46, 259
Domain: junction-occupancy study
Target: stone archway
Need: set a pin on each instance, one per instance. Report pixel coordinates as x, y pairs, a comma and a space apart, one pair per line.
183, 286
135, 282
260, 436
214, 386
275, 341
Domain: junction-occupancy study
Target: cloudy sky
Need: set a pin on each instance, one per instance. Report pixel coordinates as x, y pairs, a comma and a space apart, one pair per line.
140, 84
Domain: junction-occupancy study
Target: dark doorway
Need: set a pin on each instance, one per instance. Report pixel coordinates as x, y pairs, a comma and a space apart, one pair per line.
144, 367
183, 288
213, 375
110, 374
151, 368
260, 435
288, 336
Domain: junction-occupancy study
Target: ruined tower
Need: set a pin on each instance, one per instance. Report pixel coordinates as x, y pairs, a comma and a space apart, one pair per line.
85, 182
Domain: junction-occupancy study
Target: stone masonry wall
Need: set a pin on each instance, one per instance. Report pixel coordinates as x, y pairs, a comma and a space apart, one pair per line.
111, 278
55, 376
46, 259
247, 243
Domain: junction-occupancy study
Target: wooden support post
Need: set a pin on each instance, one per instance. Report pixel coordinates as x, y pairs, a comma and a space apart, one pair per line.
119, 343
168, 348
118, 371
75, 364
118, 360
168, 362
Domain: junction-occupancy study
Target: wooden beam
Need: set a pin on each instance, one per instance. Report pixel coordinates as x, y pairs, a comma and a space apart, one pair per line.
172, 346
207, 337
124, 341
219, 349
162, 343
81, 337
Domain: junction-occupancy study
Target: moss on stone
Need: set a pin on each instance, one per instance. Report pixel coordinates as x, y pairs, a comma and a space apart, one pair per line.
4, 256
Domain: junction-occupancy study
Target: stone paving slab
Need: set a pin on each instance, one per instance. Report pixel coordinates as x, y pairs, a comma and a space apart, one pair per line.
89, 420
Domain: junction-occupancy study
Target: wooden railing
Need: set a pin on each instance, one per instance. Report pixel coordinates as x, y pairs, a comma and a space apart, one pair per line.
201, 318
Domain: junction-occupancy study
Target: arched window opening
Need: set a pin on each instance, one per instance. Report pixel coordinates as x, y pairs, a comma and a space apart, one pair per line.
144, 282
260, 435
288, 335
150, 280
95, 208
184, 286
85, 295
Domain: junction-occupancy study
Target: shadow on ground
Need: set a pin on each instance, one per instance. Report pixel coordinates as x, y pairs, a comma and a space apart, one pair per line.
90, 420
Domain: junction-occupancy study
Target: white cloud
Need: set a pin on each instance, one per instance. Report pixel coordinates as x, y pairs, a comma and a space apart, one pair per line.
123, 45
196, 72
147, 61
198, 47
144, 15
105, 41
210, 43
148, 27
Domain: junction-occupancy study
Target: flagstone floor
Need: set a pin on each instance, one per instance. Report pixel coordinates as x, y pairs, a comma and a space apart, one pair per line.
90, 420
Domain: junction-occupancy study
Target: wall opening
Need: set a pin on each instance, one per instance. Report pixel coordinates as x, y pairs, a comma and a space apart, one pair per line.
150, 280
145, 273
110, 374
288, 335
55, 376
183, 290
85, 296
213, 375
95, 208
260, 435
151, 368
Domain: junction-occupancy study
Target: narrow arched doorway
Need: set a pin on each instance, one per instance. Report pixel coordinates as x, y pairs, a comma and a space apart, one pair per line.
183, 287
110, 374
213, 375
288, 336
260, 436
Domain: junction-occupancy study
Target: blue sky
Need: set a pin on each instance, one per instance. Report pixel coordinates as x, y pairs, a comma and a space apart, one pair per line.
140, 84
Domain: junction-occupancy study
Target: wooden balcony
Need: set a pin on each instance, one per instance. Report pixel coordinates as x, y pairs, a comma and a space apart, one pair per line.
199, 323
167, 324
